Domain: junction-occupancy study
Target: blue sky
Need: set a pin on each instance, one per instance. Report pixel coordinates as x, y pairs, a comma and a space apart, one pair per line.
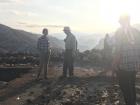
88, 16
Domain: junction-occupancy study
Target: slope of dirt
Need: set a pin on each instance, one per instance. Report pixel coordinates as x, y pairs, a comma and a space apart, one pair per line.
86, 88
80, 91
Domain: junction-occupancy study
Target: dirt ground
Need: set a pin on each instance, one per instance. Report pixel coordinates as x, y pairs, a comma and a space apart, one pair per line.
86, 88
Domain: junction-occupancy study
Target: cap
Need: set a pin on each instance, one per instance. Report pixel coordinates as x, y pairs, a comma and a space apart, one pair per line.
66, 28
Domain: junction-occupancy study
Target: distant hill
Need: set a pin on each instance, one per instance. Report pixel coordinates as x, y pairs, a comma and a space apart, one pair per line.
86, 41
100, 45
12, 40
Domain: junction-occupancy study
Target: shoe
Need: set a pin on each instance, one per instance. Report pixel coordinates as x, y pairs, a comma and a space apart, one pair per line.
71, 76
45, 78
63, 76
37, 79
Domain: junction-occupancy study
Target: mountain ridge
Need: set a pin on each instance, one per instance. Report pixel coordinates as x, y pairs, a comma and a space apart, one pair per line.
13, 40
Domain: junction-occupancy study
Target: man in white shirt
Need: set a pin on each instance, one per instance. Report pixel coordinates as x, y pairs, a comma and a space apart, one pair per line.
70, 50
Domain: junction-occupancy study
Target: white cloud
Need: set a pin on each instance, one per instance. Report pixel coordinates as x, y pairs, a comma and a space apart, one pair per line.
23, 13
39, 25
12, 1
5, 1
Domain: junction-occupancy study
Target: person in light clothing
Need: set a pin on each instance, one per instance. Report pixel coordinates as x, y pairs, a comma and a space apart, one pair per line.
70, 50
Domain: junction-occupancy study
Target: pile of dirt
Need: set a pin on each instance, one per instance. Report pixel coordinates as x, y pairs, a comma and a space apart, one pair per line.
86, 88
80, 91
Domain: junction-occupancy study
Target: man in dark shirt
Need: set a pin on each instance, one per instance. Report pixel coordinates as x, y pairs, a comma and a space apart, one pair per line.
107, 52
43, 46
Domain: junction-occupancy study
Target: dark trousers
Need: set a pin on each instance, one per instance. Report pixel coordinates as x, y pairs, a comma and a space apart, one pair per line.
107, 56
68, 63
127, 85
44, 60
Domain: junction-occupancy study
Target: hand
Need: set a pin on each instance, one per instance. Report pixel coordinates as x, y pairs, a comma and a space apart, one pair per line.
73, 53
49, 51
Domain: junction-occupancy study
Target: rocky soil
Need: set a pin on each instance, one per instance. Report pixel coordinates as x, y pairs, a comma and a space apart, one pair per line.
88, 87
